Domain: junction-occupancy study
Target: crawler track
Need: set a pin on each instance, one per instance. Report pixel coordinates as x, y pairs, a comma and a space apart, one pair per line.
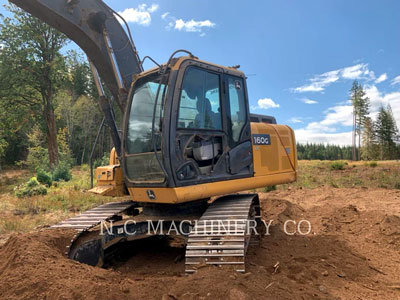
84, 222
95, 216
222, 235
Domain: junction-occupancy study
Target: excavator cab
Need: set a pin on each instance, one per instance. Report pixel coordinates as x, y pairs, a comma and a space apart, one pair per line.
186, 126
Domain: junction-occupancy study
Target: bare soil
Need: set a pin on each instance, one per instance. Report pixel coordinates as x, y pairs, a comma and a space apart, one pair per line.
352, 252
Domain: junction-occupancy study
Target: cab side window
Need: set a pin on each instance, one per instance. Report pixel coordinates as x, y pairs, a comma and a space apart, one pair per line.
236, 107
199, 106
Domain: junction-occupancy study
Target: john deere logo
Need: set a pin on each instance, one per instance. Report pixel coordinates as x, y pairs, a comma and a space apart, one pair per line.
238, 85
151, 195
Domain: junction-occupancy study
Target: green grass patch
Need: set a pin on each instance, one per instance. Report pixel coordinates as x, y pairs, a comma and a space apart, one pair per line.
269, 188
373, 164
338, 165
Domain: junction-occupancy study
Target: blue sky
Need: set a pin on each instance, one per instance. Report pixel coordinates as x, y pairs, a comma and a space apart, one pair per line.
301, 57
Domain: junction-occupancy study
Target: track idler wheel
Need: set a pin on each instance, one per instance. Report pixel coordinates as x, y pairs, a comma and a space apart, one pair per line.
87, 251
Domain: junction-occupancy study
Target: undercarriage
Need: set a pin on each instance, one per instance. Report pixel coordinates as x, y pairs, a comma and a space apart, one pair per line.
215, 232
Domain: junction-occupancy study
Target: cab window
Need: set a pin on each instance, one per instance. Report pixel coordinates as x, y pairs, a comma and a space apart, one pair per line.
236, 107
200, 106
141, 161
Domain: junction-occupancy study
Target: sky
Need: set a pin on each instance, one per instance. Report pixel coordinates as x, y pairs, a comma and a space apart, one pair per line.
301, 57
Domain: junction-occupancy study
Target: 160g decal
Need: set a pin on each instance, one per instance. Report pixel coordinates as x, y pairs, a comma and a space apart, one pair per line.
261, 139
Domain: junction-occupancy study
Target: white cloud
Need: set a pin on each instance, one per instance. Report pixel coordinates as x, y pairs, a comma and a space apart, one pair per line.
342, 138
140, 15
319, 127
308, 101
359, 71
164, 15
295, 120
328, 130
319, 82
341, 115
152, 8
381, 78
265, 103
396, 80
187, 26
192, 25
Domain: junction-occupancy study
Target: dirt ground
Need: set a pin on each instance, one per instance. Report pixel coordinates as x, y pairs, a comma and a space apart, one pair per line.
352, 252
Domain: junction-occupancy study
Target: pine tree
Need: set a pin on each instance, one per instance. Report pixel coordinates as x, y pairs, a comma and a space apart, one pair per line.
360, 112
369, 150
387, 133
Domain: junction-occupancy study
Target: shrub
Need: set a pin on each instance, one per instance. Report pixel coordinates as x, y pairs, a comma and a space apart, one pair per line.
31, 188
38, 156
3, 148
270, 188
373, 164
84, 168
63, 148
62, 172
334, 184
44, 177
338, 165
104, 161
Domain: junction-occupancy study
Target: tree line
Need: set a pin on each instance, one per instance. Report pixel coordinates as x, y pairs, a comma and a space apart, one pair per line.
319, 151
311, 151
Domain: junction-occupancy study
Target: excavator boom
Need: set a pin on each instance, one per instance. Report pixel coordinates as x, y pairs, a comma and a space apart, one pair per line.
95, 28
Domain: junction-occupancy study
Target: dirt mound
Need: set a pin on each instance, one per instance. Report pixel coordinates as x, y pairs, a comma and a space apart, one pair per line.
32, 266
279, 210
390, 225
353, 259
389, 232
347, 214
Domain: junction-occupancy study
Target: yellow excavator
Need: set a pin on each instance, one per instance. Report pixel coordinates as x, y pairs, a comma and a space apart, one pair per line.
189, 145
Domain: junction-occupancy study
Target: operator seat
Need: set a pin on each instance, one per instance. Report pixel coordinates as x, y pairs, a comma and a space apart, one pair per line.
205, 117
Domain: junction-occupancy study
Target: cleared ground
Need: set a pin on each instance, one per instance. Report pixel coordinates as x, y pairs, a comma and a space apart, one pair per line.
353, 251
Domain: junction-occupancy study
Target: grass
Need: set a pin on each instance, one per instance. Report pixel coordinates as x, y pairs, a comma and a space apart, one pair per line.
63, 200
342, 174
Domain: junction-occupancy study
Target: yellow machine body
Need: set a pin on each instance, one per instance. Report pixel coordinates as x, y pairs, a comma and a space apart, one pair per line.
110, 180
273, 164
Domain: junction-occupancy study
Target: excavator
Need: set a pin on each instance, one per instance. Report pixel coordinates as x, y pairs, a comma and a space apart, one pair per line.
186, 152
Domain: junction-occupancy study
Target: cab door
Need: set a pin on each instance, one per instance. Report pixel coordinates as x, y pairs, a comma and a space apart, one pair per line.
238, 125
210, 137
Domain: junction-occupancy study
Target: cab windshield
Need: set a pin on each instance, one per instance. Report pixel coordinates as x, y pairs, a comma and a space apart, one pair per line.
141, 160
